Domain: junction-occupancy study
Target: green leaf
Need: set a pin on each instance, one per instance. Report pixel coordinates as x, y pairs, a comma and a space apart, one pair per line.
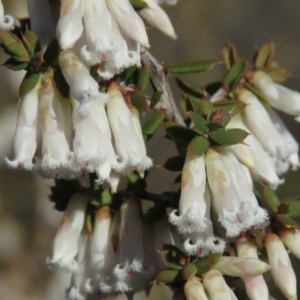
31, 42
174, 163
292, 207
206, 107
257, 235
277, 74
51, 53
138, 4
198, 146
13, 46
192, 67
220, 116
188, 271
270, 199
189, 88
229, 54
229, 137
172, 259
264, 55
154, 214
287, 221
126, 74
138, 99
178, 133
199, 122
236, 73
152, 125
143, 78
14, 65
156, 98
204, 265
232, 106
168, 276
188, 103
61, 82
29, 82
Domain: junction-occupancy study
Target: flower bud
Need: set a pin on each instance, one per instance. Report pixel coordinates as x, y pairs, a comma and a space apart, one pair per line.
281, 268
193, 289
291, 239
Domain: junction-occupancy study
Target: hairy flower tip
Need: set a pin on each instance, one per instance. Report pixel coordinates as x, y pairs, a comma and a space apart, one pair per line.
216, 286
193, 289
192, 205
25, 137
127, 134
83, 87
256, 286
278, 96
157, 17
241, 267
281, 267
251, 154
233, 199
65, 245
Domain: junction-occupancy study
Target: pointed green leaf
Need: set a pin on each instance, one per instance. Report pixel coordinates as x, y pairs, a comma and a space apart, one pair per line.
192, 67
287, 221
126, 74
198, 146
167, 276
188, 271
136, 181
229, 54
29, 82
206, 107
31, 42
152, 125
138, 4
52, 52
188, 103
174, 163
236, 73
232, 106
156, 98
229, 137
199, 122
204, 265
277, 74
292, 206
257, 235
264, 55
220, 116
138, 99
270, 199
190, 88
143, 77
179, 133
14, 65
172, 259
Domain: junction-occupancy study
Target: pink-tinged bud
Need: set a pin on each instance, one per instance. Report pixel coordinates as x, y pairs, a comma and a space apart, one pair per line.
241, 267
279, 96
256, 287
193, 289
216, 286
291, 239
281, 268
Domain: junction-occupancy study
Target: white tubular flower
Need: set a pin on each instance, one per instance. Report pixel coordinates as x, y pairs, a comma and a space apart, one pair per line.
216, 286
292, 146
25, 138
291, 239
157, 17
65, 245
260, 124
278, 96
129, 145
128, 20
281, 268
83, 87
106, 43
69, 27
41, 21
6, 21
252, 154
192, 206
233, 198
241, 267
256, 287
55, 148
193, 289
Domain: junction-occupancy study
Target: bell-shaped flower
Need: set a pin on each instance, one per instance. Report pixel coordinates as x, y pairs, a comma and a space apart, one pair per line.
55, 148
281, 267
65, 245
240, 266
193, 289
192, 206
83, 87
25, 137
256, 286
69, 27
156, 17
7, 22
278, 96
260, 124
128, 143
292, 146
216, 286
232, 196
251, 153
291, 239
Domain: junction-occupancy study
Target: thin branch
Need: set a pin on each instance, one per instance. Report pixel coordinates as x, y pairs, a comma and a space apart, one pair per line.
161, 84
